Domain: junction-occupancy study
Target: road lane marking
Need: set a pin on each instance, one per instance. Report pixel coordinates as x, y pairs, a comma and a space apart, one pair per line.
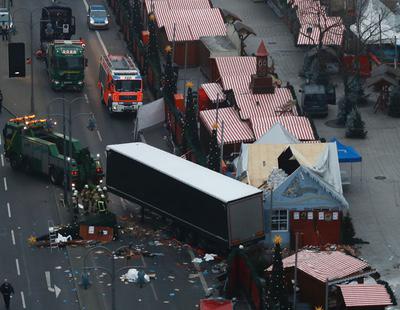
86, 5
101, 43
5, 183
196, 265
151, 283
99, 135
12, 236
2, 160
18, 270
0, 140
105, 154
23, 300
8, 209
86, 98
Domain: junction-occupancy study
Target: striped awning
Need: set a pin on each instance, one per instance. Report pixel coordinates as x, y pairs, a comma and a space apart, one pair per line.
235, 129
312, 16
177, 4
236, 65
263, 105
298, 126
213, 91
322, 266
365, 295
190, 24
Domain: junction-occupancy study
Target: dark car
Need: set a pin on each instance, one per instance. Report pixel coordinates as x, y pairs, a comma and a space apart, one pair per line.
97, 17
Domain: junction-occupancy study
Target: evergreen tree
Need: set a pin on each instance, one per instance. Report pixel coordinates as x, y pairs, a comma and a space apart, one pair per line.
153, 43
347, 230
214, 156
170, 78
355, 126
190, 130
394, 103
137, 23
277, 298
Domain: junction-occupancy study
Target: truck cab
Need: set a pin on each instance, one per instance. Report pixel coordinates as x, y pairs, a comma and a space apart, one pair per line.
66, 63
315, 99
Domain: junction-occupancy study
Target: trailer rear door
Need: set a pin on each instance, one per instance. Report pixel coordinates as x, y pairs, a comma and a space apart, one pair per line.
246, 220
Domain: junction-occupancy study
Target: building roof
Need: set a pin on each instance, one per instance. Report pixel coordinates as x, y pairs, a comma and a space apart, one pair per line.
323, 266
213, 91
262, 50
312, 16
362, 295
219, 46
277, 134
205, 180
236, 66
235, 129
187, 20
297, 126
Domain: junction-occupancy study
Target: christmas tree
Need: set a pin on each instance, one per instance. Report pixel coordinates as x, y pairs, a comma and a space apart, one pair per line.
190, 124
277, 298
153, 44
137, 19
169, 78
355, 126
214, 156
347, 230
394, 103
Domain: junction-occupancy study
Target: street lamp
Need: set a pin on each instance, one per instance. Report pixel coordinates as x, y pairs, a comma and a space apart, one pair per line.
70, 102
31, 49
243, 33
111, 272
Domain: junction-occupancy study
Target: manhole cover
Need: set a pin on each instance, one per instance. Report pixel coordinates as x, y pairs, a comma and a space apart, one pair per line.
380, 177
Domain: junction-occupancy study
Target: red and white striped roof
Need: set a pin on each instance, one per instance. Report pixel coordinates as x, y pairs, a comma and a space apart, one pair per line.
325, 265
213, 91
361, 295
263, 105
235, 129
236, 65
312, 14
298, 126
191, 19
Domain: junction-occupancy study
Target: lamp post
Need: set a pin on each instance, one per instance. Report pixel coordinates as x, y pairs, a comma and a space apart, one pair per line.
111, 272
32, 100
70, 102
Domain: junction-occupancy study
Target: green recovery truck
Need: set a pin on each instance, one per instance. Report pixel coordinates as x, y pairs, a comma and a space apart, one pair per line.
66, 62
29, 144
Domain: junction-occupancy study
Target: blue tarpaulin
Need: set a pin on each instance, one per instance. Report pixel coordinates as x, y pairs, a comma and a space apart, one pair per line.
346, 154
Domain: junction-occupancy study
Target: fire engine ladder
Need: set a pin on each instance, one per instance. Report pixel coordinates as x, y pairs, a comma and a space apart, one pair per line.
52, 235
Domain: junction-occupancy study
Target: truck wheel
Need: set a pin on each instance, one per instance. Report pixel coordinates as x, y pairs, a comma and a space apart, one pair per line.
54, 177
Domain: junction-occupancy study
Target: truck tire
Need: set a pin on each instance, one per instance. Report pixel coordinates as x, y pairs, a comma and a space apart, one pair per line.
54, 176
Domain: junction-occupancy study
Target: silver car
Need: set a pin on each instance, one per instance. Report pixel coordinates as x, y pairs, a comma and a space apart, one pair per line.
97, 17
6, 18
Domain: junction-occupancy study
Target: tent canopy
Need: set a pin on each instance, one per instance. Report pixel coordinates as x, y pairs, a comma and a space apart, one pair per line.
346, 154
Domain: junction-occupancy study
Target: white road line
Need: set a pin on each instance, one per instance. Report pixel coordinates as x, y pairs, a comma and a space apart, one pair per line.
202, 280
8, 209
151, 284
2, 160
101, 42
99, 135
5, 183
0, 140
17, 263
12, 236
86, 98
23, 300
105, 154
86, 5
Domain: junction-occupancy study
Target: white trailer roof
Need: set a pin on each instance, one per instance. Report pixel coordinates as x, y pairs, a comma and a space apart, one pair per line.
205, 180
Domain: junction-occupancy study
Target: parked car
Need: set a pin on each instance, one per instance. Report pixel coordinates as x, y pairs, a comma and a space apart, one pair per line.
97, 17
6, 17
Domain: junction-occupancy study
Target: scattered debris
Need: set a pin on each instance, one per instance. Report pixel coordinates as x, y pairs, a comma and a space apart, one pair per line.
209, 257
133, 276
197, 260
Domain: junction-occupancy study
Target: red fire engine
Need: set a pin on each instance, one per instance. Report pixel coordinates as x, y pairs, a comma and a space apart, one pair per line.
120, 84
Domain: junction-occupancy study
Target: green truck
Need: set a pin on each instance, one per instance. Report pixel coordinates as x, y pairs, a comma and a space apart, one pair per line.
30, 144
66, 62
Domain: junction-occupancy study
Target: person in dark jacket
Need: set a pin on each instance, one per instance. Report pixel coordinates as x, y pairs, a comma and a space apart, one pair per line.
6, 290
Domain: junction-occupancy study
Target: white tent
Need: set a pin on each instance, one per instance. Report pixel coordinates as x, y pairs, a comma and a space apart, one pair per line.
276, 135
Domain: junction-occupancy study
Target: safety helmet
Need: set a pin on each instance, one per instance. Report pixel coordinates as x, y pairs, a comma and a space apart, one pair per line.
102, 196
86, 186
76, 192
99, 190
104, 188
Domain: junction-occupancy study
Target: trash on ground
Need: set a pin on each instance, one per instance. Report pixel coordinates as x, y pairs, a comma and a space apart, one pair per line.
133, 276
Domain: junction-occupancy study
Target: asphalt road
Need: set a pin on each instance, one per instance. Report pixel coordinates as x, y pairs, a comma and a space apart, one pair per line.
33, 201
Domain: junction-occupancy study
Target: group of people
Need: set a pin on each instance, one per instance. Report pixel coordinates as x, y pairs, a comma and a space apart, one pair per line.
94, 199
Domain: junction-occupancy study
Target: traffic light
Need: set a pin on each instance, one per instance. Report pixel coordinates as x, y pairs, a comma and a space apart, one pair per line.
16, 60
